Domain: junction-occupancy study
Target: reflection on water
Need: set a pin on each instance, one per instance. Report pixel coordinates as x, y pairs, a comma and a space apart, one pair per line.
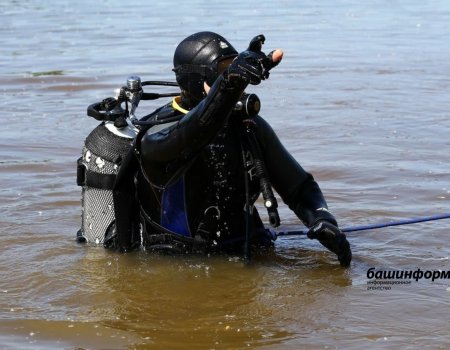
361, 101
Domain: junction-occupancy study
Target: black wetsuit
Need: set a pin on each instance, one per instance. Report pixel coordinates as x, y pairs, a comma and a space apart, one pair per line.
191, 182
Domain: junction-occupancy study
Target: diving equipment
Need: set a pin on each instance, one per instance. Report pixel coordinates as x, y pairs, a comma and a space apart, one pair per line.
248, 105
104, 150
102, 154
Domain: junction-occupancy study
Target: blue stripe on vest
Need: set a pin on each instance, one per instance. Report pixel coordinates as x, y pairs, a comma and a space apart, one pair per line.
173, 209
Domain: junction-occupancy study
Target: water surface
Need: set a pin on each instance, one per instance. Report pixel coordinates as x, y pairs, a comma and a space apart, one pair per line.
360, 99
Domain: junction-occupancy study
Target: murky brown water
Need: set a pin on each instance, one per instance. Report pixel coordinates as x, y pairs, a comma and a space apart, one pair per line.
360, 99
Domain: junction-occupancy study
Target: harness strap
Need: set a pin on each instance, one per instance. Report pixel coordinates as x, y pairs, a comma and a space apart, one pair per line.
100, 181
193, 68
162, 230
164, 239
93, 179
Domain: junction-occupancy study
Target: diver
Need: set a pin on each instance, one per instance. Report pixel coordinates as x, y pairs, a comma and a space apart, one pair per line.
191, 185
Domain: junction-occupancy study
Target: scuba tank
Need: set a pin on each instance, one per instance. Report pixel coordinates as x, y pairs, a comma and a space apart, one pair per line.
104, 149
97, 169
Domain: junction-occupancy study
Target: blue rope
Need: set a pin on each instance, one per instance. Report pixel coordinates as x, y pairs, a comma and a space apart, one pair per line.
375, 226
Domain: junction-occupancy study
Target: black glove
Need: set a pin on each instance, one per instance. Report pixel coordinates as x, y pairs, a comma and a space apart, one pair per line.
250, 66
333, 239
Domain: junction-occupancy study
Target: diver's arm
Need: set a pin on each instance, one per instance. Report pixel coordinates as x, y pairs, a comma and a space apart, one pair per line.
196, 129
297, 188
302, 194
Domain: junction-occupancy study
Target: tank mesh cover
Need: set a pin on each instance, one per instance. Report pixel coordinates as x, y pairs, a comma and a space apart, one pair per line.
97, 204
